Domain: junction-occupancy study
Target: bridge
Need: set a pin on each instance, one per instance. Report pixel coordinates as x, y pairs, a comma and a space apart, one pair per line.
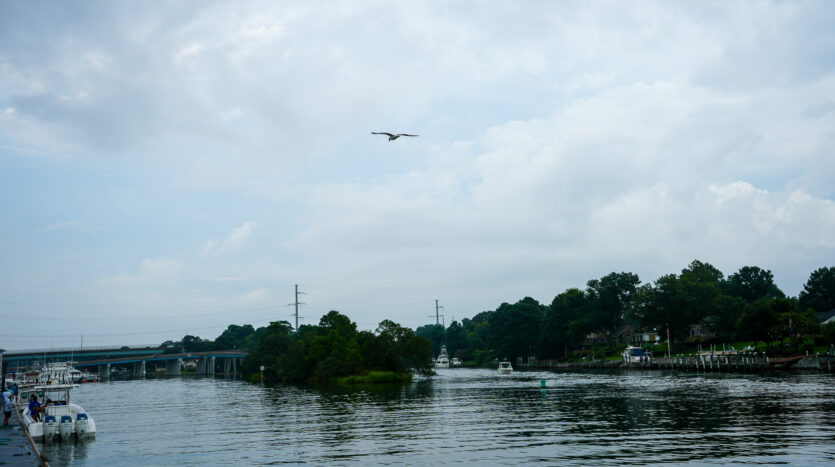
136, 359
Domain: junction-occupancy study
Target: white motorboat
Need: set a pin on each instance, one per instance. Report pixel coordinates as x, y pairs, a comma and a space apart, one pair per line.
634, 355
456, 362
505, 368
58, 417
61, 373
443, 359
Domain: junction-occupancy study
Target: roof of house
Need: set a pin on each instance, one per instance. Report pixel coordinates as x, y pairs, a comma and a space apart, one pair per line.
826, 316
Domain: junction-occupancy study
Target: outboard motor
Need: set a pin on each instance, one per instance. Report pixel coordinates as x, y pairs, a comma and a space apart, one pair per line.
50, 428
81, 425
65, 427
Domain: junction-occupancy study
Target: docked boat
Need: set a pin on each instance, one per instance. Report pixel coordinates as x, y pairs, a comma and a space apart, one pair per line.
505, 368
60, 373
456, 362
59, 418
443, 359
634, 355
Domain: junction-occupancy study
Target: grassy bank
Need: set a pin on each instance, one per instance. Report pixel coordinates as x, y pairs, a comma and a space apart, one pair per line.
376, 377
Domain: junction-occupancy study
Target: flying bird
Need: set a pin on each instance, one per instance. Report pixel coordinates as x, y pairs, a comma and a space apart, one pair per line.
391, 136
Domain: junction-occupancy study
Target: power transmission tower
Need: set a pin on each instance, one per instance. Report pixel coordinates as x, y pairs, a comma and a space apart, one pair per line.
297, 303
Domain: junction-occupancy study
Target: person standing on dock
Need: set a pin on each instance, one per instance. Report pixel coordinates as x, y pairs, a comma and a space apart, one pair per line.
7, 406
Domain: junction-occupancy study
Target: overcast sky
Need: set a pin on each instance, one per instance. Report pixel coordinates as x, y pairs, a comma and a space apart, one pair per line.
176, 167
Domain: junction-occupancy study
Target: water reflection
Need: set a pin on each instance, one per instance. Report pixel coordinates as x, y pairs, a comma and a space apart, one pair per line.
463, 416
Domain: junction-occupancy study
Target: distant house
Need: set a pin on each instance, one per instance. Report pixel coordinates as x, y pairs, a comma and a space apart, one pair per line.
700, 332
826, 317
594, 338
632, 336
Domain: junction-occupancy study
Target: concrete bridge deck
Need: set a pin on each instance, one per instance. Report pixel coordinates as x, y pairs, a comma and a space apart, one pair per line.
206, 362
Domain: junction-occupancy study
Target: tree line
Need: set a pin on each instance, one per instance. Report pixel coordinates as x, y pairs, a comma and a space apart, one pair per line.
747, 305
320, 353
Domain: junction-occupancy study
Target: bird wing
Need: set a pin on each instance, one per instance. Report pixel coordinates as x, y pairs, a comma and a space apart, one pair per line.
404, 134
381, 133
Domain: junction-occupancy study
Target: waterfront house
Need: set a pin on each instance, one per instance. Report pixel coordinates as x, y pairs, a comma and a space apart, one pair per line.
826, 317
700, 332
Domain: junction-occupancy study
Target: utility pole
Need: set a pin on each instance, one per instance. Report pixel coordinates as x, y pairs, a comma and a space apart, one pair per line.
297, 303
437, 317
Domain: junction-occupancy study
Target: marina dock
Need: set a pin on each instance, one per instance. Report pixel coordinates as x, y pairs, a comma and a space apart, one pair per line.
738, 363
16, 450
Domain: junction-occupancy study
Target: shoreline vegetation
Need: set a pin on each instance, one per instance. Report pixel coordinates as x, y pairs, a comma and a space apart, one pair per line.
676, 313
336, 352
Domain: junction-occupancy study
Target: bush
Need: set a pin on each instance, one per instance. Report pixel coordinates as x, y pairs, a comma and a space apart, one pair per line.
376, 377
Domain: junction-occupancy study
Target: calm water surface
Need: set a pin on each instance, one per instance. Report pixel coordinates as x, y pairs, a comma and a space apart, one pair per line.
463, 416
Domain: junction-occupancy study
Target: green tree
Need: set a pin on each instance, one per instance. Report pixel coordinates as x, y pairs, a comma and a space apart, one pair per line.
728, 311
456, 337
701, 285
608, 299
562, 330
664, 305
196, 344
234, 337
275, 341
763, 321
403, 349
435, 334
798, 323
751, 283
514, 330
819, 291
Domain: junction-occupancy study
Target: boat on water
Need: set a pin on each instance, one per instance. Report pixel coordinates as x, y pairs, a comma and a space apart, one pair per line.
60, 373
634, 355
59, 418
505, 368
443, 359
456, 362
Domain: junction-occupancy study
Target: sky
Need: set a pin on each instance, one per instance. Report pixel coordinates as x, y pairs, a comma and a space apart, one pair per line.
170, 168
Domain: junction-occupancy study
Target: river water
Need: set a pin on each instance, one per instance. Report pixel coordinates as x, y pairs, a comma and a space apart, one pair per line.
463, 416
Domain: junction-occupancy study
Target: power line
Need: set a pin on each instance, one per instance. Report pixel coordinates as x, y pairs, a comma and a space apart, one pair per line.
120, 318
126, 333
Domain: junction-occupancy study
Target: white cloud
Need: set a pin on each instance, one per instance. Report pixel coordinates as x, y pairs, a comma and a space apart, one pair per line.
255, 295
236, 240
160, 272
559, 142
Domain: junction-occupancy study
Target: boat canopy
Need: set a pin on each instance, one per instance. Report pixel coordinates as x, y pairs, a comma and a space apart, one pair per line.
637, 352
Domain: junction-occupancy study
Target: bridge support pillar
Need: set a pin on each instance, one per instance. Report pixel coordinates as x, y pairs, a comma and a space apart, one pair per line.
206, 366
139, 369
172, 367
226, 366
104, 371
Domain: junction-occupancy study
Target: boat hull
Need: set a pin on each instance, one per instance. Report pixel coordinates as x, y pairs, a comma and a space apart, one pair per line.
79, 429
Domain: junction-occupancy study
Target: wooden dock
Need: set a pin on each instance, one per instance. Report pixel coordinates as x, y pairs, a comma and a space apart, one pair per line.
16, 447
743, 362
